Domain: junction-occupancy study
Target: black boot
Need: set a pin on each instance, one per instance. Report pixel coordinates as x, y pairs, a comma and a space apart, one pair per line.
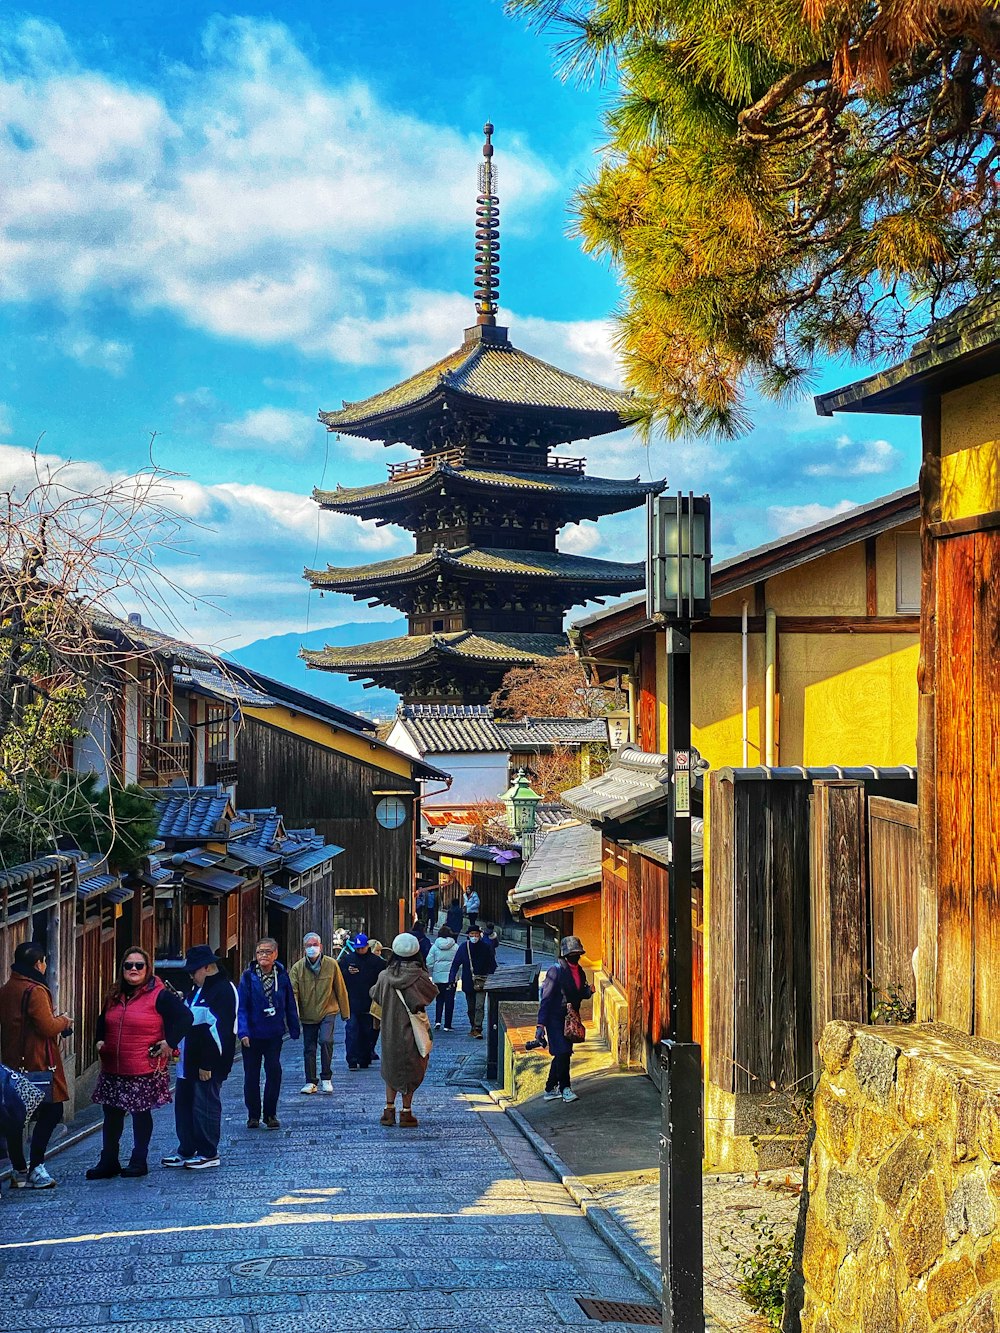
104, 1170
136, 1167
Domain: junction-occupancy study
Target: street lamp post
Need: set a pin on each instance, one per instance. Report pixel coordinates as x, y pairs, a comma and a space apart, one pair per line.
678, 582
522, 802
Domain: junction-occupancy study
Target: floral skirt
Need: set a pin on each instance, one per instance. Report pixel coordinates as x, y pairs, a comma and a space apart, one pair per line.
133, 1092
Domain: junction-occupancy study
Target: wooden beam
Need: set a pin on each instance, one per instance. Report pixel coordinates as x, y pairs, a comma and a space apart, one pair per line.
814, 625
985, 797
959, 527
871, 581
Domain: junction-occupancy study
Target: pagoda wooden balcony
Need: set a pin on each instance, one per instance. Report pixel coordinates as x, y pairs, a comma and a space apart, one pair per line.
472, 457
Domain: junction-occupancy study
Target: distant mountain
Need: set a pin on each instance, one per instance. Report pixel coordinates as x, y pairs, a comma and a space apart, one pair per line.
278, 657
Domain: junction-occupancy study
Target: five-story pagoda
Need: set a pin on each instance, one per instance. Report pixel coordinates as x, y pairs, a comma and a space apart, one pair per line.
486, 588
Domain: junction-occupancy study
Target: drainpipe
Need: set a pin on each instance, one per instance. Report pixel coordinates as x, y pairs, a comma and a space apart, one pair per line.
770, 684
746, 693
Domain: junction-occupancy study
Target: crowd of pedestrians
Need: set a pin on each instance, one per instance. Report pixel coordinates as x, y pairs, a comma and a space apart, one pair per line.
383, 1000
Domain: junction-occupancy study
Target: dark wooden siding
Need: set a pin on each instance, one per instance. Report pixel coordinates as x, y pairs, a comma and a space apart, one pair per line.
316, 787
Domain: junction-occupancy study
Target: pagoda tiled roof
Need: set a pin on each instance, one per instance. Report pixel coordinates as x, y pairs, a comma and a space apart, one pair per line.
476, 560
472, 728
557, 482
415, 650
489, 371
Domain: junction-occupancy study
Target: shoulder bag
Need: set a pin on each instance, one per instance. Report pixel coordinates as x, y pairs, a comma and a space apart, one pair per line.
39, 1079
421, 1026
573, 1029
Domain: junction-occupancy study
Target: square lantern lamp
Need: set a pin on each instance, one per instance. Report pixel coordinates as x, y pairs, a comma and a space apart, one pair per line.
521, 802
679, 557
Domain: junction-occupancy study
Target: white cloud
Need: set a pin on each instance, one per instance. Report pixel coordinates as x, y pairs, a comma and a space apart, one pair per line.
255, 196
856, 458
109, 354
784, 519
275, 429
580, 538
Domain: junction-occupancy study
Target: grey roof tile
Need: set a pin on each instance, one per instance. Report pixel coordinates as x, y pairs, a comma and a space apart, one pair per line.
565, 859
637, 781
192, 812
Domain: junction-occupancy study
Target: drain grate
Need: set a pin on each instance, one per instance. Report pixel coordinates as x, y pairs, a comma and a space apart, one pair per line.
620, 1312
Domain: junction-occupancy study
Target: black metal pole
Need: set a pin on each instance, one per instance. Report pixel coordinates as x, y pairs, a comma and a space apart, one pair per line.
681, 1230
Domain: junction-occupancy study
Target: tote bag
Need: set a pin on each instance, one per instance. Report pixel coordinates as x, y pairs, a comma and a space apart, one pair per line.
421, 1026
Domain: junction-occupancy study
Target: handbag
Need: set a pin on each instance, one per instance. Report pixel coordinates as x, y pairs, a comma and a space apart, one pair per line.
421, 1026
573, 1029
40, 1080
479, 982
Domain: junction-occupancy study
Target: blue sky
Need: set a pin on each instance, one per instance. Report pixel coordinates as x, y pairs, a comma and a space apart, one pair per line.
217, 222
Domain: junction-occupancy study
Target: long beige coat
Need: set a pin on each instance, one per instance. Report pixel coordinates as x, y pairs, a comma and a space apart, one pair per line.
402, 1066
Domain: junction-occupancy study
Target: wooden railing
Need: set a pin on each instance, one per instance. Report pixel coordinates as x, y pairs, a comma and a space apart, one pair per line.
472, 457
166, 760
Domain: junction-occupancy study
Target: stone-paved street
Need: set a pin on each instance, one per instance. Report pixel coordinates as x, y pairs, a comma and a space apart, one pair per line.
331, 1222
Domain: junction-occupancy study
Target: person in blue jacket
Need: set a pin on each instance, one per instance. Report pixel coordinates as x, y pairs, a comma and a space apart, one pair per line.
476, 961
565, 987
266, 1011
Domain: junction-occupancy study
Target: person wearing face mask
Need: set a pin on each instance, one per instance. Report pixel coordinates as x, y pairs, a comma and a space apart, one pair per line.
565, 988
320, 995
266, 1011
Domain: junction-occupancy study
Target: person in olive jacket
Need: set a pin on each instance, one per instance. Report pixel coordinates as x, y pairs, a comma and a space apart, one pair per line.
266, 1011
320, 995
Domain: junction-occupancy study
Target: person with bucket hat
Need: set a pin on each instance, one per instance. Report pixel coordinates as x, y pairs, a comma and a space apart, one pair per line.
564, 990
361, 970
206, 1059
399, 1001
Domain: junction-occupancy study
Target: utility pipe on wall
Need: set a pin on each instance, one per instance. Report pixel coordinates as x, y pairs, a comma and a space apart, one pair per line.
746, 694
770, 684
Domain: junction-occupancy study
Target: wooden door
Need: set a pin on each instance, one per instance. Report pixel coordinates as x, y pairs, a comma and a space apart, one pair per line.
197, 924
893, 848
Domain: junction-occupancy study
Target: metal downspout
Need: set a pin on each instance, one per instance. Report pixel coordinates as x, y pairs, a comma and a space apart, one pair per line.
770, 685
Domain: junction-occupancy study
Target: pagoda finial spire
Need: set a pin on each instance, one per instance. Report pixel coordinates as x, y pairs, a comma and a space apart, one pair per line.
487, 236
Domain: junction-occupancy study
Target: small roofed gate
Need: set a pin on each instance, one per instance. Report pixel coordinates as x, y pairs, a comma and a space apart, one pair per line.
790, 918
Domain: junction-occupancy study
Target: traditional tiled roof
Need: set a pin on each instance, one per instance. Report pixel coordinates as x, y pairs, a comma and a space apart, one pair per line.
471, 728
473, 560
635, 782
187, 813
490, 372
565, 859
43, 867
559, 482
419, 649
308, 858
266, 827
222, 686
143, 638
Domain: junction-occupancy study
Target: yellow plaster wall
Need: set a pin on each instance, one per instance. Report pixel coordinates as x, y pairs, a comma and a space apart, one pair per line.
326, 733
717, 698
848, 699
587, 924
970, 450
832, 585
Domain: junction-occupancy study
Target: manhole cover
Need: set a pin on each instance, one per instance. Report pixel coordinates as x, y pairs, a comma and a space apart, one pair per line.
300, 1265
620, 1312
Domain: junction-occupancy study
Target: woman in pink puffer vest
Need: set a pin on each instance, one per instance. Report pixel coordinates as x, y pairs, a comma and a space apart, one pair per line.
142, 1022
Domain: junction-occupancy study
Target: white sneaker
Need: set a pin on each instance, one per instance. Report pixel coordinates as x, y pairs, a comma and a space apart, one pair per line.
436, 1026
308, 1090
446, 1029
552, 1095
39, 1179
569, 1095
202, 1163
326, 1085
175, 1159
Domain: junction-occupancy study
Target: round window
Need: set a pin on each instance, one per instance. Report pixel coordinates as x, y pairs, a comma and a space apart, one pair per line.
391, 812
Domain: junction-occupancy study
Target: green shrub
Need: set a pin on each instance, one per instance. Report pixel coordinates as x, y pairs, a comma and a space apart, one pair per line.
763, 1270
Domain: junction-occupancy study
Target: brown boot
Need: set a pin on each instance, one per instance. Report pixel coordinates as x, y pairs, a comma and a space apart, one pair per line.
388, 1116
407, 1119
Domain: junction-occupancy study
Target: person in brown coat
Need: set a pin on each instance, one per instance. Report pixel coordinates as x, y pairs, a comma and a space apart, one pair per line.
404, 985
29, 1040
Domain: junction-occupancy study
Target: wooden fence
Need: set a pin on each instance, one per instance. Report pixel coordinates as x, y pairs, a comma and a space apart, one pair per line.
808, 910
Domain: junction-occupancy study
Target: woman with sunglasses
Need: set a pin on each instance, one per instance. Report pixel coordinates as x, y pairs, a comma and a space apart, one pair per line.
141, 1024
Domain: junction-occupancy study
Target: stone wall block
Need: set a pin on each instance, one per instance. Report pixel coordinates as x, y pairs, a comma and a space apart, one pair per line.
969, 1104
850, 1207
951, 1285
913, 1316
873, 1063
921, 1234
878, 1133
970, 1208
847, 1291
898, 1175
987, 1264
822, 1255
924, 1094
989, 1127
880, 1305
835, 1046
836, 1122
982, 1318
